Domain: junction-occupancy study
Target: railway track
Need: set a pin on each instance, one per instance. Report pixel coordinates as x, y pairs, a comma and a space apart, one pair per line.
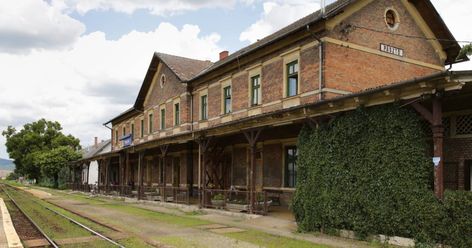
52, 242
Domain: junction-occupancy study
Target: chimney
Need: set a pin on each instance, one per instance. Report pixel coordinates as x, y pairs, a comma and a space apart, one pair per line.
224, 54
96, 141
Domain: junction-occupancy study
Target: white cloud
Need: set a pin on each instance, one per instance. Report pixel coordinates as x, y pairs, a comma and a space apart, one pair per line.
276, 15
94, 80
457, 17
35, 24
156, 7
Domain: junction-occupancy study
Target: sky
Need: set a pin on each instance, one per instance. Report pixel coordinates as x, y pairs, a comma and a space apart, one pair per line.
82, 62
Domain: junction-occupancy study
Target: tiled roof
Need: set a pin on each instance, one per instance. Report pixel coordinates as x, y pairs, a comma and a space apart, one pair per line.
314, 17
189, 70
94, 150
184, 68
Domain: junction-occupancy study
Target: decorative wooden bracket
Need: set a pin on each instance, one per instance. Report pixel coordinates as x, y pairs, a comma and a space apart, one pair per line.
424, 112
164, 150
252, 136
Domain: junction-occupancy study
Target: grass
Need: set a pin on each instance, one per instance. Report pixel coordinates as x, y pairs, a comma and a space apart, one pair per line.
55, 226
258, 238
128, 242
179, 242
271, 241
184, 221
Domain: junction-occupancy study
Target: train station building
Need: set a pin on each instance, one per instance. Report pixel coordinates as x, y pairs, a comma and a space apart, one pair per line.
223, 134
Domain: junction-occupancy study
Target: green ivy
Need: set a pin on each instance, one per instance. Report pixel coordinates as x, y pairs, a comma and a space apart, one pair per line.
368, 171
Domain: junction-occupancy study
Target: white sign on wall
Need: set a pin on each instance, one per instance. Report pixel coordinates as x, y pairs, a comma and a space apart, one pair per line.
392, 50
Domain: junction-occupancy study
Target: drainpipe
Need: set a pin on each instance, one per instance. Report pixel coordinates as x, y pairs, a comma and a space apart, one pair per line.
321, 72
190, 90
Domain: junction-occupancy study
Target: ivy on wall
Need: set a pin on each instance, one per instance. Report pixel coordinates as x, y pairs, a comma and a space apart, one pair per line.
368, 171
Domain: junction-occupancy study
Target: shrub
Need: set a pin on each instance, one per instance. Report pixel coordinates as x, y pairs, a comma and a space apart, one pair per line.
368, 171
458, 228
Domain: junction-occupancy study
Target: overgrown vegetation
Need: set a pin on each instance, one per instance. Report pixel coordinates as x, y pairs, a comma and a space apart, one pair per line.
368, 171
41, 150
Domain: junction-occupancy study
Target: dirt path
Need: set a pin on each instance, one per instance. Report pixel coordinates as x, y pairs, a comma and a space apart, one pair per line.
152, 231
158, 232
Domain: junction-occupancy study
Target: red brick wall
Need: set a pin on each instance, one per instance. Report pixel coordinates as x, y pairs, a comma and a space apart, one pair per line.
309, 70
239, 86
457, 151
272, 160
354, 70
240, 166
272, 82
172, 88
214, 101
372, 17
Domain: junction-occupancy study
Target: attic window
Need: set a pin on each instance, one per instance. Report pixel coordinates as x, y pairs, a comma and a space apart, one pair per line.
162, 81
391, 19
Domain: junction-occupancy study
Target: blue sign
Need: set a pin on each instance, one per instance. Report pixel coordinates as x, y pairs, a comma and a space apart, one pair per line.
127, 140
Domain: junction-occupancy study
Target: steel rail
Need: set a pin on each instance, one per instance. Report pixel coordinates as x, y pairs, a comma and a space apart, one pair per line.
86, 227
50, 241
79, 224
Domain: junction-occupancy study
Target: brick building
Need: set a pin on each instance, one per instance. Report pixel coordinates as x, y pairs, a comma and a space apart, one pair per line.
199, 129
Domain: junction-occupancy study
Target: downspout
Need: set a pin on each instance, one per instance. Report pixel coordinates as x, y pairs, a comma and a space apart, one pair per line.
321, 72
320, 64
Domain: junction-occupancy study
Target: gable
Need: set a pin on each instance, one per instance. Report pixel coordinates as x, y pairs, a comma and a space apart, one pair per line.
164, 86
363, 23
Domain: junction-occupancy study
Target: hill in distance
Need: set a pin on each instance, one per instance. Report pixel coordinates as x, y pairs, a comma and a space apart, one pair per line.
6, 164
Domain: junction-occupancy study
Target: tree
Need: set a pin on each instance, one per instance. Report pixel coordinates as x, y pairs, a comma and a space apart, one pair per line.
26, 145
465, 51
51, 162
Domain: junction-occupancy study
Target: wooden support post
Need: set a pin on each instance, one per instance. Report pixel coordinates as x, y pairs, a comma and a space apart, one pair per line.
203, 145
438, 139
88, 173
127, 170
107, 175
164, 150
99, 181
252, 136
121, 167
190, 168
434, 117
140, 175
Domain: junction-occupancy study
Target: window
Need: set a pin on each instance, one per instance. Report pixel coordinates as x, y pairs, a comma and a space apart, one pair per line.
176, 114
162, 81
116, 136
204, 107
132, 130
163, 119
292, 78
291, 154
255, 90
391, 19
227, 100
124, 131
150, 123
142, 128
